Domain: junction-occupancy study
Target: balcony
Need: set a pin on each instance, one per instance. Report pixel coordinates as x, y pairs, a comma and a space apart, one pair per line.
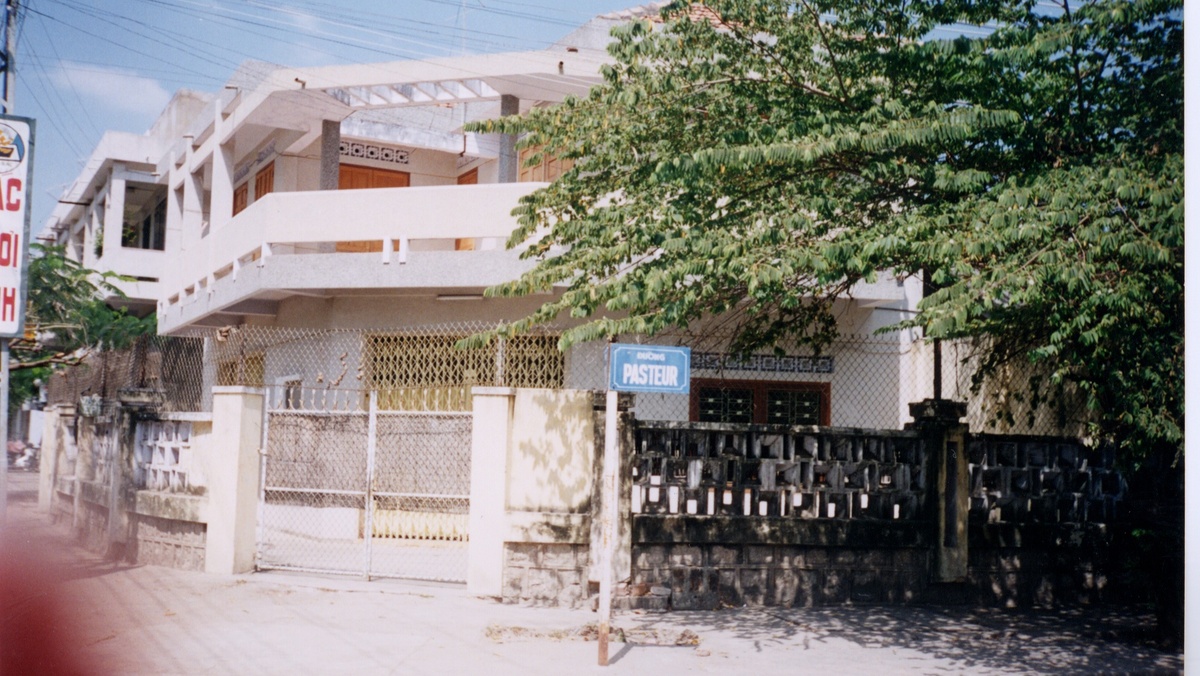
439, 240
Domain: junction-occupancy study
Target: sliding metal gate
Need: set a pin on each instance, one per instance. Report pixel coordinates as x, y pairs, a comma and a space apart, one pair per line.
365, 492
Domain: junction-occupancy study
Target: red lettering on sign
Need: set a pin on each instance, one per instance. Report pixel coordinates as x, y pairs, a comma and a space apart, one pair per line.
10, 253
12, 195
8, 304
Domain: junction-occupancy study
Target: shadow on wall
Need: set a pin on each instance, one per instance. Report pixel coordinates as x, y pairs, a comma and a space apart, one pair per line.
551, 457
1091, 640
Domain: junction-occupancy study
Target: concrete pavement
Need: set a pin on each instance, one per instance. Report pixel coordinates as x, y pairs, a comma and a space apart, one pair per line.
125, 619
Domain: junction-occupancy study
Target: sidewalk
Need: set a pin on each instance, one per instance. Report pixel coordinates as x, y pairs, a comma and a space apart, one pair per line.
151, 620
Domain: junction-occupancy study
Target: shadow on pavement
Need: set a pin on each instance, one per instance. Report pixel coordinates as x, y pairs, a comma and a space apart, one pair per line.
1083, 640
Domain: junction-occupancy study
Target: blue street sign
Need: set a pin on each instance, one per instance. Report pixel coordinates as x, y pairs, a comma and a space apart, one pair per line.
649, 368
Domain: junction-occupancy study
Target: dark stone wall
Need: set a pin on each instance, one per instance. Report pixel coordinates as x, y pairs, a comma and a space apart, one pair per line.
712, 576
166, 542
822, 516
545, 574
708, 563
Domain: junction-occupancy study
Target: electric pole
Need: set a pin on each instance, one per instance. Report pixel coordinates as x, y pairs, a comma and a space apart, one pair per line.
10, 80
10, 53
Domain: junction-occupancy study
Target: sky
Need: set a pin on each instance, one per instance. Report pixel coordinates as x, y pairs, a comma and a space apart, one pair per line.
87, 66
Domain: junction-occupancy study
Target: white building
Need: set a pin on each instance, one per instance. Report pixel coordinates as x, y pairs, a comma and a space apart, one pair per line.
350, 197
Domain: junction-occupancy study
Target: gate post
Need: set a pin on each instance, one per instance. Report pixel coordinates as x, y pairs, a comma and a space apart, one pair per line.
945, 438
233, 480
48, 461
491, 430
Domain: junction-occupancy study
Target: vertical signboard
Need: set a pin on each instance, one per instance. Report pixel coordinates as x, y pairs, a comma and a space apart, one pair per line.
16, 170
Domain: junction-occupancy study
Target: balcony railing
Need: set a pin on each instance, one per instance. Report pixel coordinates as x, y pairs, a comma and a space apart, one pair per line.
391, 221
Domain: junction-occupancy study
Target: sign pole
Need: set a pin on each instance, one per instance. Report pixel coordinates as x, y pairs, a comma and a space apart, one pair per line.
10, 78
631, 368
16, 173
608, 519
4, 430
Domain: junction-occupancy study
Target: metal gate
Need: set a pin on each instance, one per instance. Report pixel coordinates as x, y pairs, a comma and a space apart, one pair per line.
350, 489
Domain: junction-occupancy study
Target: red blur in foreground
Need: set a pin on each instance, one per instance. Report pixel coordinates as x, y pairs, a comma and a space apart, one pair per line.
37, 632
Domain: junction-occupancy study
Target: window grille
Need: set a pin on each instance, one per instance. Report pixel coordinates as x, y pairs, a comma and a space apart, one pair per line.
425, 372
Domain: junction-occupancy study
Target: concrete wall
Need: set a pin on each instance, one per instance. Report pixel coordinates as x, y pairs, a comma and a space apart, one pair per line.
206, 525
532, 480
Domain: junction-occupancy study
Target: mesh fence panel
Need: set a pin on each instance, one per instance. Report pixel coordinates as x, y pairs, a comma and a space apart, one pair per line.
421, 489
314, 492
169, 369
860, 382
364, 491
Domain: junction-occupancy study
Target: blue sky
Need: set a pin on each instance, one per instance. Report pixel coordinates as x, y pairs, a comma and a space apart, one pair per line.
86, 66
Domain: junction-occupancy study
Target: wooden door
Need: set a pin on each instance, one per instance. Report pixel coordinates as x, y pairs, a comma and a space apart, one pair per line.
351, 177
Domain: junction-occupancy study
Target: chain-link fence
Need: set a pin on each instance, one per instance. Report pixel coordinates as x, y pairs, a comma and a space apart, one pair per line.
372, 492
859, 382
170, 371
862, 382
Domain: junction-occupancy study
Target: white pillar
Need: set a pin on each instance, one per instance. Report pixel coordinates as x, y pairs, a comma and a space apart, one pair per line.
48, 460
114, 212
492, 426
233, 479
222, 186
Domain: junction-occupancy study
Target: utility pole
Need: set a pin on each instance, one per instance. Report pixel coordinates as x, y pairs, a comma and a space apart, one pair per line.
10, 80
10, 53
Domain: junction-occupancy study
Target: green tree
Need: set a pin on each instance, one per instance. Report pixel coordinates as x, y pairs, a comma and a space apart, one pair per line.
65, 318
759, 163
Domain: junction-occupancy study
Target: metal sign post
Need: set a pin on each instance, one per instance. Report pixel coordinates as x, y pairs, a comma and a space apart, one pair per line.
631, 368
16, 171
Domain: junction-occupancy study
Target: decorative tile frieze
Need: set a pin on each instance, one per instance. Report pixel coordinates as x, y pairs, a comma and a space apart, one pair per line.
761, 363
371, 151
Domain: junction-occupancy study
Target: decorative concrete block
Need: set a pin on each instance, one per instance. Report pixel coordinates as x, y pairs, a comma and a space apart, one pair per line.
570, 590
760, 555
729, 589
686, 555
559, 557
520, 554
754, 583
650, 556
834, 588
866, 587
720, 556
806, 582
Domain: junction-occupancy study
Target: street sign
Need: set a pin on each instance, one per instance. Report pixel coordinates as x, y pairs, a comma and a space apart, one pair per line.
650, 368
16, 170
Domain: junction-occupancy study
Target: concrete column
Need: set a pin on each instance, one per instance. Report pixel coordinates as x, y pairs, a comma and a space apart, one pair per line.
114, 212
331, 154
492, 409
221, 207
233, 479
945, 438
508, 165
622, 560
48, 461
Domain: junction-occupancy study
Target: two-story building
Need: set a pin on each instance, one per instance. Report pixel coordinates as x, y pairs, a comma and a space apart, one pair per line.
350, 197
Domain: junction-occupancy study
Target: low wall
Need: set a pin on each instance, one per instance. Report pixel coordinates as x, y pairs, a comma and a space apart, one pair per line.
731, 515
546, 574
1038, 565
158, 527
828, 516
685, 562
161, 529
534, 488
166, 542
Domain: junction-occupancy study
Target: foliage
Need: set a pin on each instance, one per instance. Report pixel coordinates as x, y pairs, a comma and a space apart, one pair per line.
758, 165
66, 314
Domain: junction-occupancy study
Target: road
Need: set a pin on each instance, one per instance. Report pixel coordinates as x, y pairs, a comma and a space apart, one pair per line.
116, 618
